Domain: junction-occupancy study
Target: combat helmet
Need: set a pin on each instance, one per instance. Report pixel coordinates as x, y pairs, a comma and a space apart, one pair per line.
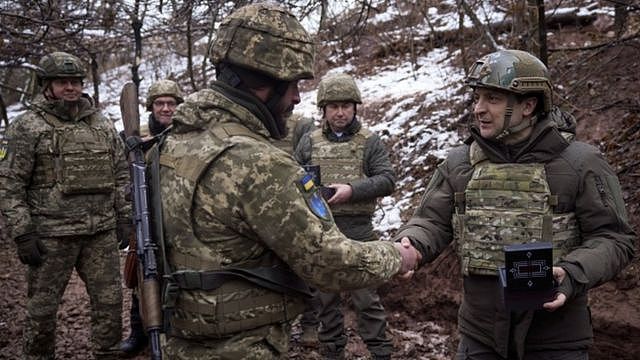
514, 71
60, 65
338, 87
163, 88
265, 38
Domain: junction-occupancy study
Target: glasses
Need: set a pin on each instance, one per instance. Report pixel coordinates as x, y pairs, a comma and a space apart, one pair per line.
161, 104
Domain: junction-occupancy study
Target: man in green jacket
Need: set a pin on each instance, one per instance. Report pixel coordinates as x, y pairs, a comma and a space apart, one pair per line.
62, 186
521, 178
245, 227
355, 165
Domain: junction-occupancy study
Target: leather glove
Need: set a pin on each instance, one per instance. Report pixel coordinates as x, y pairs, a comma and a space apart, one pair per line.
30, 249
124, 230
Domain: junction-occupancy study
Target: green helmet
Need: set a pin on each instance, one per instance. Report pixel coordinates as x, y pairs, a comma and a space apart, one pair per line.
338, 87
265, 38
61, 65
163, 88
513, 71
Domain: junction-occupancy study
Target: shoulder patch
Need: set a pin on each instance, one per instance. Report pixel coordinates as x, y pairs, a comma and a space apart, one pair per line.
312, 197
4, 148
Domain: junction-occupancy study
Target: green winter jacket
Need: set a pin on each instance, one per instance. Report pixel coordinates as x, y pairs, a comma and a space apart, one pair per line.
586, 185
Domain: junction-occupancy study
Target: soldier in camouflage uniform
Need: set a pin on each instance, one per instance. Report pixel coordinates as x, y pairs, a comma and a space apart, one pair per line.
244, 226
521, 169
355, 163
62, 187
162, 99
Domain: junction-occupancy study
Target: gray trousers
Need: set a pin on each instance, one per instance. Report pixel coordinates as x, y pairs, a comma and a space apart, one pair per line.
371, 321
470, 349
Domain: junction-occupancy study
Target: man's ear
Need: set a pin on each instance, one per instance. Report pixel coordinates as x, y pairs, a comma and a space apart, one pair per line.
529, 105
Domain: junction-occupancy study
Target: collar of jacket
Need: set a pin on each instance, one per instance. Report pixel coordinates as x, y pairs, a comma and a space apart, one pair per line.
155, 127
544, 144
62, 109
353, 128
251, 103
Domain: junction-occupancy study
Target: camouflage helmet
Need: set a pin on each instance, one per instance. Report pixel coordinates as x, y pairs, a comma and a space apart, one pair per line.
513, 71
265, 38
163, 88
60, 65
338, 87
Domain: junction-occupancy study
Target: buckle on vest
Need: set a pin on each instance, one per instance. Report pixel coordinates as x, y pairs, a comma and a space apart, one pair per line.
188, 280
169, 293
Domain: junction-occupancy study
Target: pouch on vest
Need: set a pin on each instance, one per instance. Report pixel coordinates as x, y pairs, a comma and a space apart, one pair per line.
83, 161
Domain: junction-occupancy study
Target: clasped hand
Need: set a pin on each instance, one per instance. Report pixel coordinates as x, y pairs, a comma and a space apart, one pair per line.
411, 258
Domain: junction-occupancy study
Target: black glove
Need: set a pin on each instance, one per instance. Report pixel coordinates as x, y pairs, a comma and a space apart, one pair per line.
30, 249
124, 229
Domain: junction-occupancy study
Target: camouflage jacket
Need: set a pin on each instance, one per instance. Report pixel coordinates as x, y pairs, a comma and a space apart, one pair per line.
379, 180
586, 185
63, 174
250, 204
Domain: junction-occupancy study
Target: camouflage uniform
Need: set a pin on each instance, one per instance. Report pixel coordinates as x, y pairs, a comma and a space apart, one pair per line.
587, 221
63, 181
357, 158
233, 204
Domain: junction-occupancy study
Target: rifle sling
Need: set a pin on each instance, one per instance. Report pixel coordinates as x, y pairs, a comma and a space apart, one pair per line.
277, 279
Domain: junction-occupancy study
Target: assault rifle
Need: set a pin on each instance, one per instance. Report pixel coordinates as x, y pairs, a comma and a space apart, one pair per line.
148, 275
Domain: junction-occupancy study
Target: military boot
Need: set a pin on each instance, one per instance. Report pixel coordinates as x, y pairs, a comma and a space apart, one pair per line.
309, 336
138, 340
134, 344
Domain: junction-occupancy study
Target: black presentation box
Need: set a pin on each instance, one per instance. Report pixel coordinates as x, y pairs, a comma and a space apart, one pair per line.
527, 276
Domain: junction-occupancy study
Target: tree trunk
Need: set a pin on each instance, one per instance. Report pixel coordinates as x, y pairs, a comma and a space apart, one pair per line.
136, 24
96, 79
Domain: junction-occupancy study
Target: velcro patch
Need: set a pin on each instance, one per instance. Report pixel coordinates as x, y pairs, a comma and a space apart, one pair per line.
307, 182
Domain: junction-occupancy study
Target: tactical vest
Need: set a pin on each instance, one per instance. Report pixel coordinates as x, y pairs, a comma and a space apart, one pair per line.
78, 159
212, 301
506, 204
342, 163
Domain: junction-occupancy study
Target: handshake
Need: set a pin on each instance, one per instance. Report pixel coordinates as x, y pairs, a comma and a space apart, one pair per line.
411, 258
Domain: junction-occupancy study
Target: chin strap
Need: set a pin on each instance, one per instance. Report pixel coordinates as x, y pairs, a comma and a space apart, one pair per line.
506, 130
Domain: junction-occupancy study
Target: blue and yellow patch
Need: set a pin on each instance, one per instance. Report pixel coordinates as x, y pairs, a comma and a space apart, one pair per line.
314, 200
4, 148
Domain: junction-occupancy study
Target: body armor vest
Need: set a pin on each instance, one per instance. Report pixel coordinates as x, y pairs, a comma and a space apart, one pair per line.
78, 159
205, 306
342, 163
506, 204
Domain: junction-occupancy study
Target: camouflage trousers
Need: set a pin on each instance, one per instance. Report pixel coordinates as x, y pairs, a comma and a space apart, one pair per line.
263, 343
96, 260
372, 322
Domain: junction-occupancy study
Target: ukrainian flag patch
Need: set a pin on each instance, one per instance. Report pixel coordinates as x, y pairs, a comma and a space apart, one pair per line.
307, 182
